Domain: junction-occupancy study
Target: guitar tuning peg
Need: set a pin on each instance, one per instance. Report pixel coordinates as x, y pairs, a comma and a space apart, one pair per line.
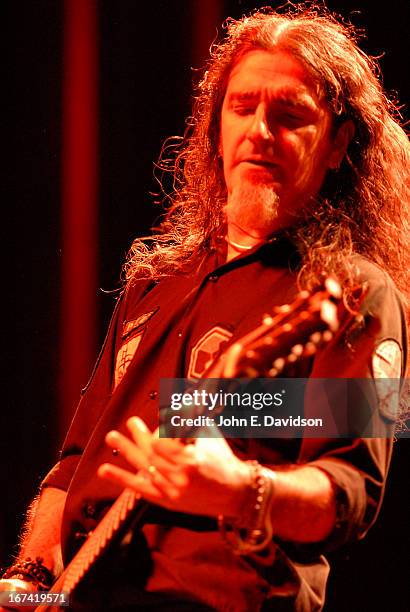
251, 372
273, 372
268, 340
282, 309
303, 294
316, 337
279, 364
327, 335
328, 314
250, 354
297, 350
310, 348
267, 319
333, 287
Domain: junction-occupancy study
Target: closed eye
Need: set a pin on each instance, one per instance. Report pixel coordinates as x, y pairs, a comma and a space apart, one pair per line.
243, 109
293, 120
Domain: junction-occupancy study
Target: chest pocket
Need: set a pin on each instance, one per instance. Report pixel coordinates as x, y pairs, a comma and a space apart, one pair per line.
132, 334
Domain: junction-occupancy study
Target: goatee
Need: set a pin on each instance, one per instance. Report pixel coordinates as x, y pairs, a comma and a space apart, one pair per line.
253, 207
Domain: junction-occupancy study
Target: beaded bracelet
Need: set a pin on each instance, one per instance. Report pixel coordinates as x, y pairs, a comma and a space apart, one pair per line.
252, 531
31, 571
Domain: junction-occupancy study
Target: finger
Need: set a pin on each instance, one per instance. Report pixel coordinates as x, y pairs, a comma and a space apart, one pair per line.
144, 458
140, 461
165, 467
168, 486
174, 474
151, 485
170, 449
140, 433
175, 461
127, 479
132, 453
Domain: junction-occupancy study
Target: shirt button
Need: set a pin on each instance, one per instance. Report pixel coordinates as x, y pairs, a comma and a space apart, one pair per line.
179, 334
214, 278
153, 394
89, 511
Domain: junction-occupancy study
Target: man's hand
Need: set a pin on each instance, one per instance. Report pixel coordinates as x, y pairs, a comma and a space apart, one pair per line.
42, 539
202, 478
207, 478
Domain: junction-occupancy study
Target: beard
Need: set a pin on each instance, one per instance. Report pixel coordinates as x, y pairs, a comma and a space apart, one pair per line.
253, 208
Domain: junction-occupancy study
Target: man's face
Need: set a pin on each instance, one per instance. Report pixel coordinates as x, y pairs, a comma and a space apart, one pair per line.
276, 141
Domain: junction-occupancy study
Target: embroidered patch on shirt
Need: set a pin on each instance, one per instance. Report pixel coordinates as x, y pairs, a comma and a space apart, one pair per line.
386, 361
130, 326
206, 350
132, 332
386, 367
125, 356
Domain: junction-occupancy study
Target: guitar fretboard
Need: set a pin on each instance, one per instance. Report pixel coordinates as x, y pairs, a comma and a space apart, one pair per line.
91, 550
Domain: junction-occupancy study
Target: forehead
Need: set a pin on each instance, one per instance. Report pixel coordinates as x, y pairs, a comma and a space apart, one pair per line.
271, 72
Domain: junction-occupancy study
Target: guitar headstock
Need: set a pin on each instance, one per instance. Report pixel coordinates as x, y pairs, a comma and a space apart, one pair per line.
291, 332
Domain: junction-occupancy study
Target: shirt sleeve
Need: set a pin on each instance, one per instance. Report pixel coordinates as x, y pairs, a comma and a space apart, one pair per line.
357, 467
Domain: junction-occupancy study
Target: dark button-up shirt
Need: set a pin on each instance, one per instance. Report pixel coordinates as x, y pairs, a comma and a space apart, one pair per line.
174, 328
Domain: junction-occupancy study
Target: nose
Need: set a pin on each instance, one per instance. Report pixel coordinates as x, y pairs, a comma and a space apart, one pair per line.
259, 131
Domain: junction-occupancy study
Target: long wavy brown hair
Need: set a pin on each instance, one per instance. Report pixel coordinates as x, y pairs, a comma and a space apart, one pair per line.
363, 207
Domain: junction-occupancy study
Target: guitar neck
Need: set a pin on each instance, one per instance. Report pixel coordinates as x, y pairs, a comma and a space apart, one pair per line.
124, 511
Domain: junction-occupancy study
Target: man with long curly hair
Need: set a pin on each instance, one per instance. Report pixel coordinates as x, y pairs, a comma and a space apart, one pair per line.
294, 167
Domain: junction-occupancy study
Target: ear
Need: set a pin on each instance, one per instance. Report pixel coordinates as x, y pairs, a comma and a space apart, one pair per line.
341, 141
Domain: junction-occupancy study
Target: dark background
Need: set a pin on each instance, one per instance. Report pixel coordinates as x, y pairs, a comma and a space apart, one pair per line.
145, 59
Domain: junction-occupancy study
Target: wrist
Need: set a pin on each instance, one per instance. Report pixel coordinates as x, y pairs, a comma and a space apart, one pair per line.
249, 529
31, 571
240, 492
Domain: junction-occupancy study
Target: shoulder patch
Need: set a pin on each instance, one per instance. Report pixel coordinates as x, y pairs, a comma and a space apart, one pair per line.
386, 360
386, 369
